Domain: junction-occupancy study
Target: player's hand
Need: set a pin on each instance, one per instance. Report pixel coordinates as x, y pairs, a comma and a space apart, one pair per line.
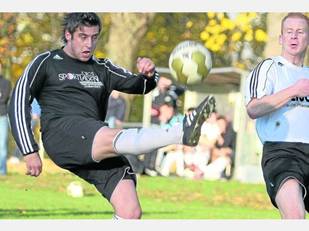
145, 66
301, 87
33, 164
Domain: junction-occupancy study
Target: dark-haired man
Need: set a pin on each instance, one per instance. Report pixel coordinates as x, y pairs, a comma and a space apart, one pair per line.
72, 88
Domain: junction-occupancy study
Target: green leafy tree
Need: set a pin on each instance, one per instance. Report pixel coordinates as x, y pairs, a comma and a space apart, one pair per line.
30, 34
166, 31
8, 27
128, 35
228, 36
236, 39
125, 32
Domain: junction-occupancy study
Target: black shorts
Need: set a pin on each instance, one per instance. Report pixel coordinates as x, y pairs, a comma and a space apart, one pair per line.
68, 142
106, 175
284, 160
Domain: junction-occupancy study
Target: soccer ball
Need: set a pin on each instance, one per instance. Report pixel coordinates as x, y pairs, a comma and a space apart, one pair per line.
190, 62
75, 189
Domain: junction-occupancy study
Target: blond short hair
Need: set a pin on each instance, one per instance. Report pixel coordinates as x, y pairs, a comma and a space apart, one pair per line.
294, 15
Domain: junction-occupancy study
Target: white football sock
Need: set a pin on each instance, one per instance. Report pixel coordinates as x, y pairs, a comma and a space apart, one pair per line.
139, 141
116, 217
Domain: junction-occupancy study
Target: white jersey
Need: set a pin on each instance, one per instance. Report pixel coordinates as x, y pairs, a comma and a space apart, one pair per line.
290, 123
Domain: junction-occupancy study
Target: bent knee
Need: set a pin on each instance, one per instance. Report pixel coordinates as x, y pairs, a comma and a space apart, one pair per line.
102, 146
130, 213
294, 214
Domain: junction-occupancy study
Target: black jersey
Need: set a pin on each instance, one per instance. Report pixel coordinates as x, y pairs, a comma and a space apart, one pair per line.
64, 87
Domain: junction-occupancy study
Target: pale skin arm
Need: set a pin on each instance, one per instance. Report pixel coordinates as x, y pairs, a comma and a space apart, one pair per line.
267, 104
33, 164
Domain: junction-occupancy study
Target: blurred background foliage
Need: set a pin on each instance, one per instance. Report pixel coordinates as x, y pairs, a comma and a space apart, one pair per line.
234, 39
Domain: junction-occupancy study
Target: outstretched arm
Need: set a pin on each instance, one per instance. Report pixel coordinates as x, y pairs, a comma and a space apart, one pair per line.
123, 80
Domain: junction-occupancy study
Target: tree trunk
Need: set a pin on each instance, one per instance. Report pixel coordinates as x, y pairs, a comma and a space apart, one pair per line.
127, 29
307, 58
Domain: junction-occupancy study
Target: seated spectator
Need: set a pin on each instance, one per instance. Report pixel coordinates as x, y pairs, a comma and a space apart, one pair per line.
222, 153
210, 133
196, 158
116, 110
174, 154
227, 146
115, 116
165, 88
158, 95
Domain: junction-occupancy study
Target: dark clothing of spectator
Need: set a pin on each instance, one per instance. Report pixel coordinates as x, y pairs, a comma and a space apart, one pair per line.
5, 90
116, 108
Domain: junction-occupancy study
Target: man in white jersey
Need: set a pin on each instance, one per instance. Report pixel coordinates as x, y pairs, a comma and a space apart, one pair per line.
277, 95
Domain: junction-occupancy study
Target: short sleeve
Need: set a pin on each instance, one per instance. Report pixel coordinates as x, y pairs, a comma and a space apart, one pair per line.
260, 81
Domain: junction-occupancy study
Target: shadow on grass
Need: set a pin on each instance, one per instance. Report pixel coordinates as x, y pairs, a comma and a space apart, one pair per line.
50, 213
27, 213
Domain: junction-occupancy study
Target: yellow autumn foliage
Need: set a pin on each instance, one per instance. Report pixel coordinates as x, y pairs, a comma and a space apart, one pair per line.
223, 30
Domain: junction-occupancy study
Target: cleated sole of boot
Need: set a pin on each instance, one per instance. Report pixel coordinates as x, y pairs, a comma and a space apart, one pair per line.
209, 107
